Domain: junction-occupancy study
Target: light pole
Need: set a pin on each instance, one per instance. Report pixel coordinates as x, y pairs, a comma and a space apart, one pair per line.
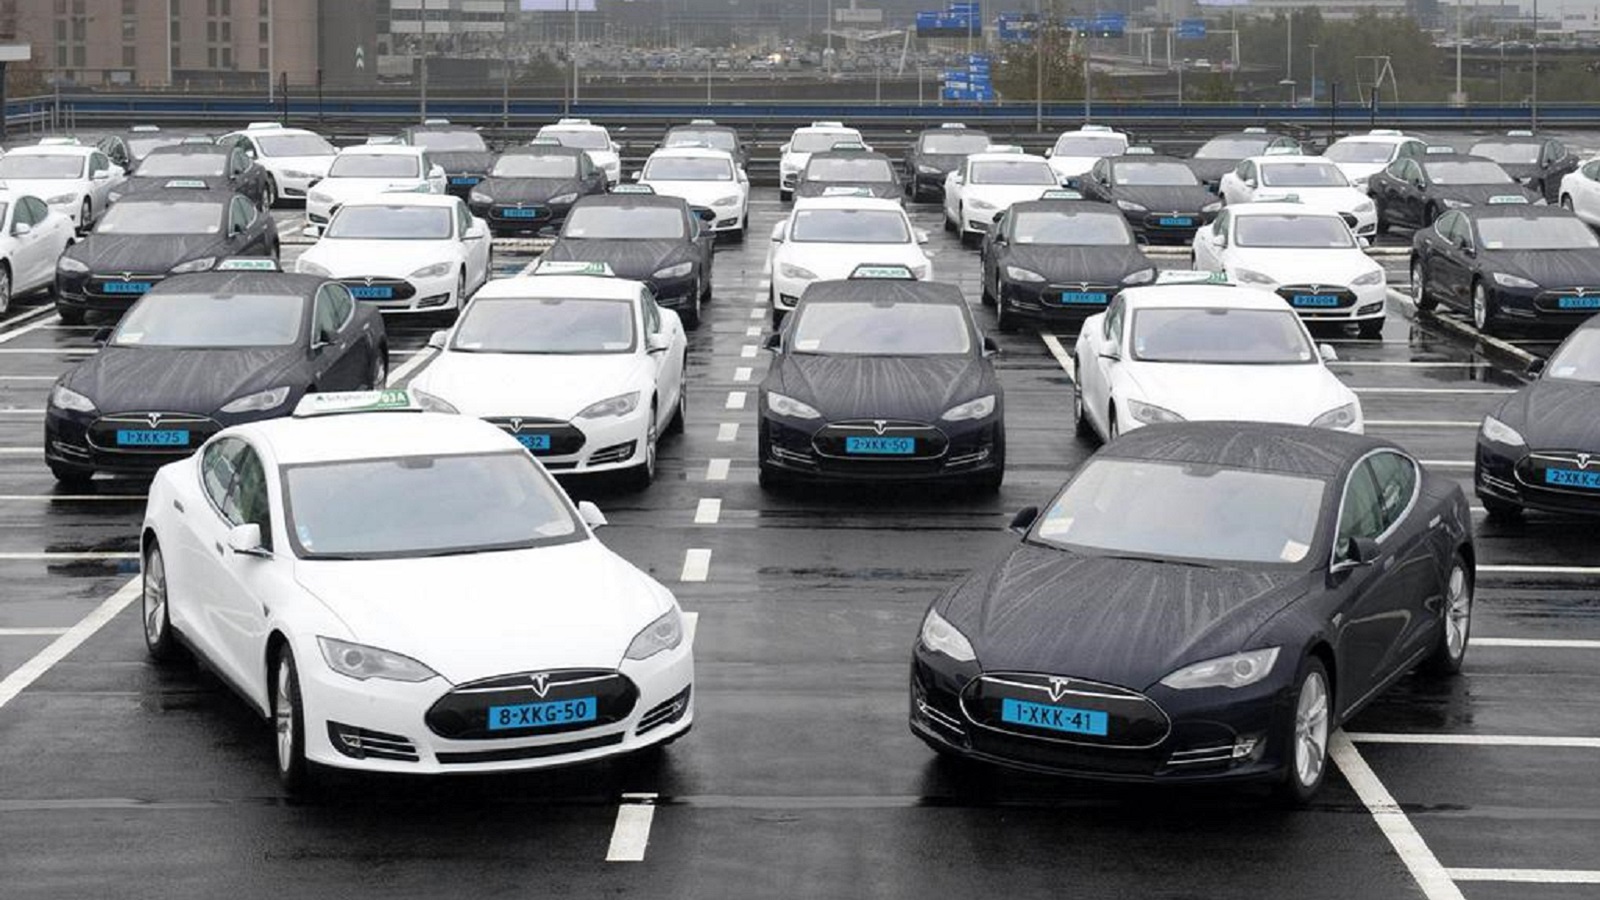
423, 79
1313, 73
1288, 50
1038, 67
1458, 98
1533, 110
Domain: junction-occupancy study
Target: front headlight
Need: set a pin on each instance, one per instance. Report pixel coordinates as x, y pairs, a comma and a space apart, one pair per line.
980, 203
307, 267
1151, 414
320, 197
1338, 419
203, 264
62, 200
63, 397
802, 273
1376, 276
1211, 207
1364, 206
433, 271
780, 405
1513, 281
433, 403
1454, 204
68, 264
1131, 206
620, 405
664, 633
940, 636
1493, 430
980, 408
730, 200
1236, 671
479, 197
928, 170
258, 401
114, 196
362, 662
1016, 273
677, 271
1250, 276
1143, 276
1360, 184
564, 199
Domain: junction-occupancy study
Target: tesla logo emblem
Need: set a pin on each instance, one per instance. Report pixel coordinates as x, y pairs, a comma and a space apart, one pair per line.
1058, 687
879, 425
1316, 288
126, 275
154, 419
541, 683
368, 280
516, 424
1580, 291
1583, 460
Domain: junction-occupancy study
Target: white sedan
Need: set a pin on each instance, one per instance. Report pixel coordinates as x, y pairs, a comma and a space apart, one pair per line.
1580, 191
988, 183
592, 139
1311, 181
826, 238
407, 592
294, 158
818, 137
32, 237
1361, 156
1308, 256
419, 253
584, 370
1203, 352
706, 179
1076, 152
73, 180
362, 172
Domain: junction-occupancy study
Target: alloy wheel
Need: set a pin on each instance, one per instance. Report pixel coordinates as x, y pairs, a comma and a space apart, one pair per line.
1311, 729
1458, 612
155, 598
283, 714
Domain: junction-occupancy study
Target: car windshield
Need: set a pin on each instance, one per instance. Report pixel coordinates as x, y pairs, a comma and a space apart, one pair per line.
818, 141
182, 165
1578, 358
28, 165
1368, 152
585, 139
391, 223
1220, 335
375, 165
545, 325
1462, 171
881, 329
963, 143
1232, 148
850, 226
638, 223
1090, 145
688, 168
141, 146
1153, 174
1535, 233
535, 165
460, 141
1012, 171
834, 168
133, 216
204, 321
1302, 174
1516, 153
1289, 230
424, 506
294, 145
1094, 229
717, 138
1163, 510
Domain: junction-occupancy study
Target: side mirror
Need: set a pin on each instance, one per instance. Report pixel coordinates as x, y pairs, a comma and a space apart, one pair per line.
922, 236
21, 229
990, 347
1358, 552
548, 231
312, 231
591, 515
1417, 183
102, 335
956, 177
779, 231
1112, 354
783, 149
1363, 243
438, 339
773, 342
1327, 353
1535, 368
477, 231
1049, 152
1024, 519
437, 171
1250, 183
635, 176
245, 540
656, 343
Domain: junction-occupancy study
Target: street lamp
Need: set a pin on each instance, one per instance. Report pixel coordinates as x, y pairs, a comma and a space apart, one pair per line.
1288, 83
1313, 73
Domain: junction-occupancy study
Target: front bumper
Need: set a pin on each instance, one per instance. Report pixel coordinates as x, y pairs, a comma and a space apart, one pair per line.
404, 295
505, 218
1516, 475
1356, 304
460, 184
1166, 226
99, 291
582, 446
89, 442
1556, 305
959, 451
1054, 302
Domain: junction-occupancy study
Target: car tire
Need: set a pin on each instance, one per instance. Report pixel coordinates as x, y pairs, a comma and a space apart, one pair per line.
949, 223
680, 416
5, 287
643, 475
71, 477
1419, 287
1430, 214
159, 642
1484, 316
1382, 226
85, 216
295, 774
1004, 322
1566, 202
785, 196
690, 315
1455, 621
269, 193
989, 295
769, 478
1500, 510
1080, 419
1112, 430
1304, 737
378, 376
71, 316
1370, 329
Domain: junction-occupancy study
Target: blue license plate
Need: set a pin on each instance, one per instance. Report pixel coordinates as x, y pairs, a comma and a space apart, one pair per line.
513, 213
1055, 718
535, 442
1083, 298
372, 292
1314, 300
543, 715
161, 437
1572, 478
1175, 221
880, 446
1578, 303
125, 287
467, 180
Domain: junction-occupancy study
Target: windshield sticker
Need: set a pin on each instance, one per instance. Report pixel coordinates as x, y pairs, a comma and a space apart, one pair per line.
1494, 245
807, 345
131, 337
304, 534
1293, 551
1564, 371
614, 345
1056, 527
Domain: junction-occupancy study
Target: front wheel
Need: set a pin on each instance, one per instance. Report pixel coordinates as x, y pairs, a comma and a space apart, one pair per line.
71, 316
1005, 322
1456, 622
642, 475
269, 194
1501, 511
690, 314
1305, 737
1080, 418
1483, 311
379, 376
5, 289
158, 639
73, 479
288, 720
1420, 295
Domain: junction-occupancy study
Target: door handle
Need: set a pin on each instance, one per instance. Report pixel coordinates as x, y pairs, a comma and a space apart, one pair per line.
218, 545
177, 505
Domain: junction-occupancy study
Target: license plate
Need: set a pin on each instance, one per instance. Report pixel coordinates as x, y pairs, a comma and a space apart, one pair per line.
1084, 298
125, 287
511, 213
881, 446
1175, 221
543, 715
1055, 718
1572, 478
1578, 303
1314, 300
465, 180
535, 442
162, 437
372, 292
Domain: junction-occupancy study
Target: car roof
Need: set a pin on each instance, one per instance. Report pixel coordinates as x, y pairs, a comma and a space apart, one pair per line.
1302, 158
879, 290
962, 130
690, 153
851, 202
379, 435
54, 150
404, 198
848, 154
1202, 296
1144, 157
628, 200
181, 195
268, 132
1377, 139
836, 129
1005, 157
1455, 157
543, 150
571, 126
1279, 208
723, 128
1077, 206
598, 287
382, 150
241, 282
437, 126
1511, 139
189, 150
1516, 210
1320, 453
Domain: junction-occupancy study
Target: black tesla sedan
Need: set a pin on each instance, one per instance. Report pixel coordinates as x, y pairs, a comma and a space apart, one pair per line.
460, 149
1059, 261
849, 169
1223, 153
707, 133
653, 239
147, 237
204, 166
531, 188
1161, 198
1507, 264
881, 378
1538, 161
1541, 448
202, 352
936, 153
1201, 602
1411, 193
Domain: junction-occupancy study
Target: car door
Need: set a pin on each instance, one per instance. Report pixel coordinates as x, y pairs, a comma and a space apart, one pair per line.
26, 246
339, 360
241, 583
1098, 185
1370, 618
1586, 193
1448, 268
668, 360
1413, 193
473, 235
1555, 161
952, 192
248, 178
102, 177
194, 575
1096, 371
1417, 599
1211, 242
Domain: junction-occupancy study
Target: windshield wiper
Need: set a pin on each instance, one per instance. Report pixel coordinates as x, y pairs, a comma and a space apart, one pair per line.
1157, 559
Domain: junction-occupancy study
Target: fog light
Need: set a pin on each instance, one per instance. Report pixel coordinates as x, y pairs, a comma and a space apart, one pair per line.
1244, 747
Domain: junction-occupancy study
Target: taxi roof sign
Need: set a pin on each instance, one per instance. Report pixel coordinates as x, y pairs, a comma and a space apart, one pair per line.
1191, 276
1255, 129
436, 121
1440, 150
632, 189
573, 267
1507, 200
264, 126
573, 121
1095, 128
187, 183
193, 139
383, 139
58, 141
1139, 151
879, 271
1386, 132
827, 124
702, 121
1520, 132
1277, 198
1060, 194
144, 129
1002, 148
545, 142
248, 264
347, 402
954, 126
846, 190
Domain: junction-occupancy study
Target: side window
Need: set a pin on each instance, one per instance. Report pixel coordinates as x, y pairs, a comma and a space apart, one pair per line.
38, 207
652, 313
219, 462
238, 162
1360, 512
23, 213
341, 306
1446, 225
1591, 170
1220, 226
1248, 170
1396, 477
247, 502
327, 316
1113, 327
463, 219
241, 214
1415, 172
1397, 169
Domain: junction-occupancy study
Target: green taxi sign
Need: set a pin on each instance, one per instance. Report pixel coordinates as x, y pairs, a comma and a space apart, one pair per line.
845, 190
885, 272
1507, 200
187, 184
1191, 276
574, 267
248, 264
633, 189
344, 402
1060, 194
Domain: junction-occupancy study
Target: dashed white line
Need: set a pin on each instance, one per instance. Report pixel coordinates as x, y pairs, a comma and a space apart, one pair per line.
708, 512
631, 835
1059, 352
21, 451
1422, 423
1430, 876
1407, 390
735, 400
753, 331
1478, 740
29, 672
53, 498
45, 315
92, 555
758, 313
717, 469
406, 368
748, 351
696, 564
1536, 643
1528, 876
31, 632
728, 431
1538, 570
742, 373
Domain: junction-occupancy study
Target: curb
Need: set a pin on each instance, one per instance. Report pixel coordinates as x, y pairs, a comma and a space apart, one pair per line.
1494, 344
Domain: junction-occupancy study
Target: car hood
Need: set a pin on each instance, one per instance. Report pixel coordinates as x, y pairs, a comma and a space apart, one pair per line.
1096, 265
43, 188
1297, 266
944, 162
343, 190
794, 160
1554, 414
1118, 621
463, 162
1072, 166
136, 183
883, 387
1547, 268
1479, 194
148, 254
1521, 171
1291, 394
695, 193
1355, 171
389, 259
477, 615
1003, 195
141, 379
831, 262
886, 190
637, 260
317, 165
1334, 199
555, 386
527, 190
1173, 198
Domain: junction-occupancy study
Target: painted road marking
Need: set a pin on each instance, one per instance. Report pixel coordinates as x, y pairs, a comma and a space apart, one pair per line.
753, 331
1537, 643
51, 498
717, 469
631, 834
743, 373
1430, 876
1538, 570
43, 314
735, 400
29, 377
1528, 876
708, 512
70, 640
21, 451
757, 313
1405, 390
1413, 364
696, 564
21, 412
748, 351
52, 351
1478, 740
1421, 423
31, 632
408, 367
728, 431
1063, 358
86, 554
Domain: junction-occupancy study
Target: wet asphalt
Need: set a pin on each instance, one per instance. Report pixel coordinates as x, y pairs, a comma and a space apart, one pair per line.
800, 778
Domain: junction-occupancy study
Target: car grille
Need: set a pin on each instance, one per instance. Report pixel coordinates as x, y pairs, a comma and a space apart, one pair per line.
541, 751
665, 713
929, 442
564, 438
1536, 471
1317, 298
1572, 302
372, 288
133, 432
505, 214
1133, 721
1079, 296
463, 714
120, 286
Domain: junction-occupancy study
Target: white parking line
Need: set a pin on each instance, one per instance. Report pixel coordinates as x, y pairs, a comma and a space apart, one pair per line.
73, 498
1059, 352
1405, 390
742, 373
757, 313
84, 554
631, 834
708, 511
728, 431
696, 564
29, 672
1478, 740
1422, 423
31, 632
1430, 876
21, 451
748, 351
735, 400
1528, 876
29, 377
44, 314
52, 351
717, 469
753, 331
1412, 363
406, 368
1539, 570
1536, 643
